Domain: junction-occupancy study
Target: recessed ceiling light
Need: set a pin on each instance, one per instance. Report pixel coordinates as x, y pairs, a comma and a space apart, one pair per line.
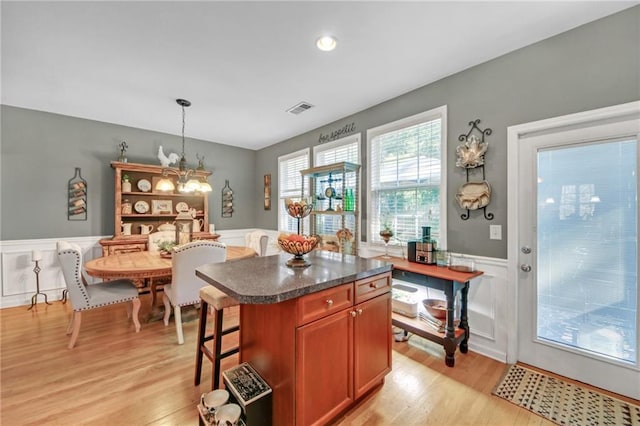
326, 43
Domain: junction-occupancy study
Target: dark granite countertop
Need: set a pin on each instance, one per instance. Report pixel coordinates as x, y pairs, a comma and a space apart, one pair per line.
267, 279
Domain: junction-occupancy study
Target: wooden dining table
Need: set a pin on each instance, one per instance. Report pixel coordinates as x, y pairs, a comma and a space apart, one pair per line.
146, 264
141, 265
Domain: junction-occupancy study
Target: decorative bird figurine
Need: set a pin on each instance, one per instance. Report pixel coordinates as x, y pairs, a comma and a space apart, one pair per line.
166, 161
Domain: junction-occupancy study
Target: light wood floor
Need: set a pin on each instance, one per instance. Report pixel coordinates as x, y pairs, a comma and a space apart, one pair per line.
117, 377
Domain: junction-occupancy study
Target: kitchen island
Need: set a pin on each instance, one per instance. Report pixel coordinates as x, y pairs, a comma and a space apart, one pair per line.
319, 336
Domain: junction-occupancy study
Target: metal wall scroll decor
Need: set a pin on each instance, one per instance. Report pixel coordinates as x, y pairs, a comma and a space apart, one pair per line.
77, 189
227, 200
473, 195
338, 133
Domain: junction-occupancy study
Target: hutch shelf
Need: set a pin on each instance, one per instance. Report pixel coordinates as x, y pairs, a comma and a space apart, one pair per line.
138, 206
335, 190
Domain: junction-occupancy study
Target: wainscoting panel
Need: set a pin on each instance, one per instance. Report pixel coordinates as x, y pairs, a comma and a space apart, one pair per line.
487, 294
18, 279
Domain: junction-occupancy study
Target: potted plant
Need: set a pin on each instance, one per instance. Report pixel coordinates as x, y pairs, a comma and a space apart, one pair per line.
166, 248
126, 183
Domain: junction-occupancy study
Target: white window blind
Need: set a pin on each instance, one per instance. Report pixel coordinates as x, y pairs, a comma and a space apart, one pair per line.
290, 185
407, 169
344, 149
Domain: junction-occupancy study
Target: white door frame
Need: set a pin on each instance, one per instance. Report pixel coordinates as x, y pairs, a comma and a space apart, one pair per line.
514, 134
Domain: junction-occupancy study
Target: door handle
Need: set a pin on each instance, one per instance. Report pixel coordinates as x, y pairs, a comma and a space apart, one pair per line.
525, 267
526, 250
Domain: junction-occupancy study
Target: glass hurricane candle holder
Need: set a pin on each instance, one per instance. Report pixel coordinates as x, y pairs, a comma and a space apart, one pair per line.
386, 235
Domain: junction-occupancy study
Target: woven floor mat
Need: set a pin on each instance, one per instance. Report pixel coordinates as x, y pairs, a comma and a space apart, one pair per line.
562, 402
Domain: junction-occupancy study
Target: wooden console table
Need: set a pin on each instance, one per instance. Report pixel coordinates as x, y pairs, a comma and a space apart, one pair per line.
448, 281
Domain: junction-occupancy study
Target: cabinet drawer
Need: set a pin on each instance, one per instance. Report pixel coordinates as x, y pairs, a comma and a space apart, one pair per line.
371, 287
318, 305
126, 248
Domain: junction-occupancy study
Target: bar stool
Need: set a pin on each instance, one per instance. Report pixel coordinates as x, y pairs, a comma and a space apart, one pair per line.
211, 296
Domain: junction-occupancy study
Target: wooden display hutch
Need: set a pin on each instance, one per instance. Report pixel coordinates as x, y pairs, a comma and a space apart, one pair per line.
335, 190
142, 198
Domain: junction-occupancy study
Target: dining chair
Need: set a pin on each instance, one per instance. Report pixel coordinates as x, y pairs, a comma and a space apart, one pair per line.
257, 240
185, 286
154, 241
84, 296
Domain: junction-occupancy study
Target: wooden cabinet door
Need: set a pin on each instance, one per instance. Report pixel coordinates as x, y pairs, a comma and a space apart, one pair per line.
372, 342
324, 368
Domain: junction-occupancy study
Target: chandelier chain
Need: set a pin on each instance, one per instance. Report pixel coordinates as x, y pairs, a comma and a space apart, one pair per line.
183, 116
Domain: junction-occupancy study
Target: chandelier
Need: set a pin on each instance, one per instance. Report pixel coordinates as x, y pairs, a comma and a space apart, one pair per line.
187, 180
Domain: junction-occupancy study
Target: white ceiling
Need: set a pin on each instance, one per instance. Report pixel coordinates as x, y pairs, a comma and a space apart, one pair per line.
242, 64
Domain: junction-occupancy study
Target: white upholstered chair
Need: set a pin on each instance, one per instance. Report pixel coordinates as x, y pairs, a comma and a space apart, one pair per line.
258, 241
85, 296
184, 289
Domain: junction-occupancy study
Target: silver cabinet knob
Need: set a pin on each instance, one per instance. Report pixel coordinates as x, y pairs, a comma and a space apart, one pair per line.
525, 267
329, 302
353, 313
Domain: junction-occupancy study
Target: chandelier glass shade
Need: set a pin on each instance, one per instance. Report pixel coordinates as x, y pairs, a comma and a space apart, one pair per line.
186, 178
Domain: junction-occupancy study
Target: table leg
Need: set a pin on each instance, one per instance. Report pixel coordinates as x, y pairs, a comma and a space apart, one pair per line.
464, 323
450, 337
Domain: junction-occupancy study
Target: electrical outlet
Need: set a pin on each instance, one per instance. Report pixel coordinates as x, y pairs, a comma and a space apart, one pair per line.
495, 232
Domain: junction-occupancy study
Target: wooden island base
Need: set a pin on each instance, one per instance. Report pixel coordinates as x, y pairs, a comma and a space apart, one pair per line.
323, 352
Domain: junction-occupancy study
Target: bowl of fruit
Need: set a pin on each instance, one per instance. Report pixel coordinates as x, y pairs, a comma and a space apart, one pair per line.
297, 245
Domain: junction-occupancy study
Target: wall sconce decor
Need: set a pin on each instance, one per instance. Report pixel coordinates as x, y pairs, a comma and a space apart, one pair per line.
267, 192
227, 200
77, 206
473, 195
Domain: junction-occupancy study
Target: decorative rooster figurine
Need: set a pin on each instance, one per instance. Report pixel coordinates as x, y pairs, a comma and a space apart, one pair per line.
166, 161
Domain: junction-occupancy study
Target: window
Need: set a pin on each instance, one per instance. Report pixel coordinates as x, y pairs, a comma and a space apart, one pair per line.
344, 149
290, 185
407, 177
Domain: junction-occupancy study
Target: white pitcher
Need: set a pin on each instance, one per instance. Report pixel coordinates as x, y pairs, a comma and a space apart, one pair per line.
146, 229
126, 228
197, 224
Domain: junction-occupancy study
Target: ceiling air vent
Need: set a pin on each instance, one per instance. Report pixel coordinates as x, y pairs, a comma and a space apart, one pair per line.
299, 108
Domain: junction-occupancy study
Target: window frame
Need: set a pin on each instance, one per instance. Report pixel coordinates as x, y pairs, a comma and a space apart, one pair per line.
423, 117
281, 210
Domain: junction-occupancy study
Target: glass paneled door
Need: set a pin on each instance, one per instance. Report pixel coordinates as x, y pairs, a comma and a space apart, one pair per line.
578, 253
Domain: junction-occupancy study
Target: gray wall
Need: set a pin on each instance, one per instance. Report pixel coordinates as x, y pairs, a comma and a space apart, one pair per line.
592, 66
40, 151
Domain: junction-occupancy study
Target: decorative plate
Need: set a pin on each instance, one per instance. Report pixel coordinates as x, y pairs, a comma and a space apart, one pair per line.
144, 185
474, 195
141, 207
182, 206
471, 153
